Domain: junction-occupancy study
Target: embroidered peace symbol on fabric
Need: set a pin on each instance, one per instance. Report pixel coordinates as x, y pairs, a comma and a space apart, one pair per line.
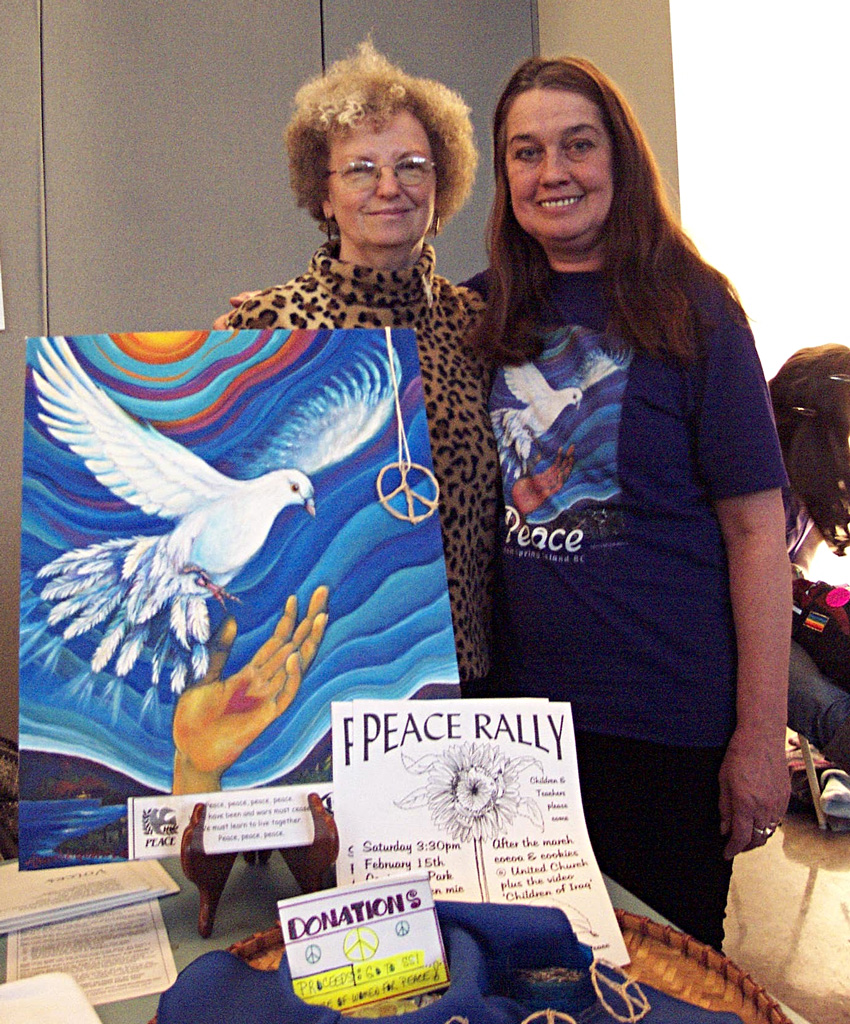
549, 1016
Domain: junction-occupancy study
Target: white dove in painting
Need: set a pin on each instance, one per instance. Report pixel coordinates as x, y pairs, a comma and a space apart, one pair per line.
151, 592
519, 429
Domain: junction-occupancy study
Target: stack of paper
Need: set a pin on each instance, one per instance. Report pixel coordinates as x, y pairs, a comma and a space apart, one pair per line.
115, 955
29, 898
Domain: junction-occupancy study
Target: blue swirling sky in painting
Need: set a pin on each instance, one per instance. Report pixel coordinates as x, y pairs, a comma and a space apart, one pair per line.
228, 398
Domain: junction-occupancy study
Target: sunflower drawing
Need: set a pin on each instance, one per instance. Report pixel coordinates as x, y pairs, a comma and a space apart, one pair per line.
473, 791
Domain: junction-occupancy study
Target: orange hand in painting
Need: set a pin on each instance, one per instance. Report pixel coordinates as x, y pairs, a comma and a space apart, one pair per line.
529, 492
218, 718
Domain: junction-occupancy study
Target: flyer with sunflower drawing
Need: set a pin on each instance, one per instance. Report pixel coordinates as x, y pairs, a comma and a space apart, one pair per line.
482, 794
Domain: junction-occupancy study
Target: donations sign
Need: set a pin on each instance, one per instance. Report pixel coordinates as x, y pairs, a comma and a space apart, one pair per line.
364, 943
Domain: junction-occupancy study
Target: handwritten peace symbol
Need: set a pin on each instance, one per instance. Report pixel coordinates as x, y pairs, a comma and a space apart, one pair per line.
412, 497
360, 944
313, 954
402, 928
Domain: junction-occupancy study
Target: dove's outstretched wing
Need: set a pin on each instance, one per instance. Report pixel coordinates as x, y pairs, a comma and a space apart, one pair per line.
518, 430
132, 459
598, 365
526, 382
345, 413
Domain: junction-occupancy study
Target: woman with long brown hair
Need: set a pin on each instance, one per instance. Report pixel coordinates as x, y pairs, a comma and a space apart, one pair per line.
643, 556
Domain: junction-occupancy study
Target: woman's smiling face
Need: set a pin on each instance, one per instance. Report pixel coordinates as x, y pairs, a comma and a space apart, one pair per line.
559, 164
384, 224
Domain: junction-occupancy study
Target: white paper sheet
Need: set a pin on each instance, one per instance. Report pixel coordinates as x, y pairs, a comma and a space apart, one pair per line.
118, 954
53, 998
266, 818
484, 795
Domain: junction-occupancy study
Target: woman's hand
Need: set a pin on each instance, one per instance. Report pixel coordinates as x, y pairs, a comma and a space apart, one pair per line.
754, 790
754, 782
220, 323
217, 719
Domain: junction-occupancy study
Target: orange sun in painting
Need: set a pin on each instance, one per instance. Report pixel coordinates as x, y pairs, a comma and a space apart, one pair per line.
160, 346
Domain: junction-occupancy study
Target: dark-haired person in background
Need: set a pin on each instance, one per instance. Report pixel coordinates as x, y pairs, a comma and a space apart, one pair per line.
811, 403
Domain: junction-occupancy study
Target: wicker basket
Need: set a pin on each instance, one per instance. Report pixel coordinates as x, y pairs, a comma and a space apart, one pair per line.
661, 956
676, 964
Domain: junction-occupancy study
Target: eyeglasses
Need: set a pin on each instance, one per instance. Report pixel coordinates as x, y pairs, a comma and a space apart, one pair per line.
360, 175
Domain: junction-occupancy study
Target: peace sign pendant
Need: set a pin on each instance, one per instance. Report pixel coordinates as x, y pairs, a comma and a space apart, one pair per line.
412, 498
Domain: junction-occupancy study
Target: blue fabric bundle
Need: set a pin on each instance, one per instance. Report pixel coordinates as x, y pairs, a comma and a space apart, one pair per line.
489, 947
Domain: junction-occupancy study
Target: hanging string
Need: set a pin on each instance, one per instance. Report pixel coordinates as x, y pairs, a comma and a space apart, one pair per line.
405, 465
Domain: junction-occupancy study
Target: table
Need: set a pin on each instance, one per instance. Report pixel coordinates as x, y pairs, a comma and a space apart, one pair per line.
249, 905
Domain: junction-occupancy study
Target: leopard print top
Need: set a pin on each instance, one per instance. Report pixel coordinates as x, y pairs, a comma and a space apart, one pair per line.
455, 382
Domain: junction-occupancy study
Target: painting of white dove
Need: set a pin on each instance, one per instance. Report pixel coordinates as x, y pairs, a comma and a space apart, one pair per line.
173, 480
151, 590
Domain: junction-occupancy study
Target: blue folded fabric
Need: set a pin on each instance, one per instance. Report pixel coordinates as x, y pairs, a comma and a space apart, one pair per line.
488, 946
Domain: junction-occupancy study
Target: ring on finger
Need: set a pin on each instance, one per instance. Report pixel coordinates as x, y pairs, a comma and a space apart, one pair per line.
767, 831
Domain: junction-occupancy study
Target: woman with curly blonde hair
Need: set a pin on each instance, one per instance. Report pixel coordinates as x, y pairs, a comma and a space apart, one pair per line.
381, 159
367, 88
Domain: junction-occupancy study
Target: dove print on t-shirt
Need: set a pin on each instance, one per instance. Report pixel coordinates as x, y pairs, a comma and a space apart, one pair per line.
556, 422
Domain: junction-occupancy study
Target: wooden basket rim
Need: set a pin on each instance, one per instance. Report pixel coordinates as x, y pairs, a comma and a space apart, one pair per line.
752, 992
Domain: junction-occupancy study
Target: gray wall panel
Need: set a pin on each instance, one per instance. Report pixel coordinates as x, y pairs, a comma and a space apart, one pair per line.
472, 47
20, 256
166, 184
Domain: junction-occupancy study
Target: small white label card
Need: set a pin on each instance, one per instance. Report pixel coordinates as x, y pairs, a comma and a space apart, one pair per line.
244, 819
482, 794
350, 947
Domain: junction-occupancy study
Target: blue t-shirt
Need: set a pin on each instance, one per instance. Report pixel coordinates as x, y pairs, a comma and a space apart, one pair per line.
616, 593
